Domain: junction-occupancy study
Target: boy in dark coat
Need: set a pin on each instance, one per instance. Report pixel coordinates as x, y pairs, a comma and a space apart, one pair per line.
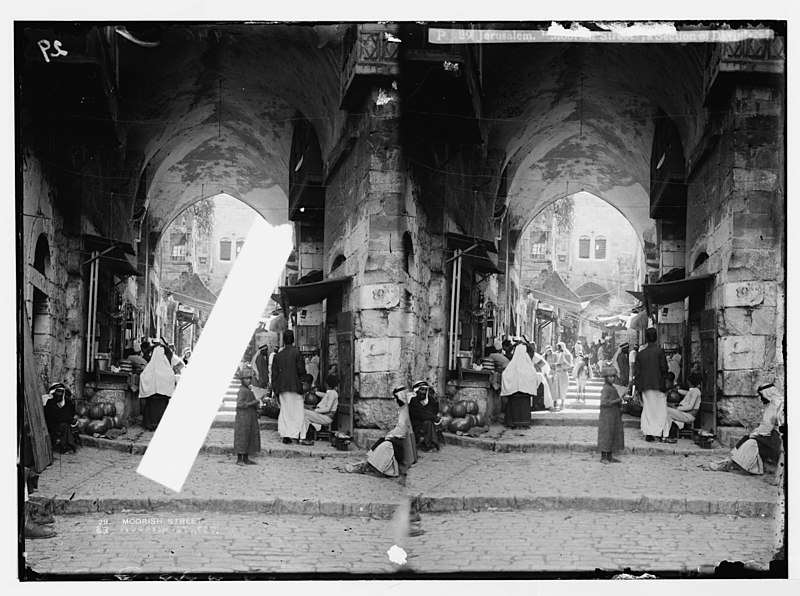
610, 436
246, 433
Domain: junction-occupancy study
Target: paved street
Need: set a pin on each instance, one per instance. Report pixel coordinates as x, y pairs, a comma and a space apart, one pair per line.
568, 540
553, 511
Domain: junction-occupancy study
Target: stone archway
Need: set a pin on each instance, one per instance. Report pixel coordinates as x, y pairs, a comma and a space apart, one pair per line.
41, 320
575, 117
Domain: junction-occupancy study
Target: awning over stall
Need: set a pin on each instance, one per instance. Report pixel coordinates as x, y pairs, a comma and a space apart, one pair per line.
475, 251
114, 254
667, 292
304, 294
552, 290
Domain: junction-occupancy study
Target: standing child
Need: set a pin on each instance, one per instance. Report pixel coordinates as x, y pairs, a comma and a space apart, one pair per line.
610, 436
581, 376
246, 434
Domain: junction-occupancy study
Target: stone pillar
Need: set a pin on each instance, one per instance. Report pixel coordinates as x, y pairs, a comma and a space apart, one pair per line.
76, 304
383, 327
752, 276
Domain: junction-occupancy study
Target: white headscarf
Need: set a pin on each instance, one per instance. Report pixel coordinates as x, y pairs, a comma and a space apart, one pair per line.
520, 374
775, 407
157, 376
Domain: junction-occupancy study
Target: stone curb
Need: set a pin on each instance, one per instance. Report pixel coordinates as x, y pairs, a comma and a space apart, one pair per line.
556, 446
578, 421
267, 424
368, 436
323, 451
643, 504
275, 505
427, 504
124, 446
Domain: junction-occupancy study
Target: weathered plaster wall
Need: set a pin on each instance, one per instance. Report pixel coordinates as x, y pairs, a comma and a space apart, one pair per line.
736, 207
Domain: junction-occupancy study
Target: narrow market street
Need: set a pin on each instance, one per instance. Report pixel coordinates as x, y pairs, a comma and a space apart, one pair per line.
525, 280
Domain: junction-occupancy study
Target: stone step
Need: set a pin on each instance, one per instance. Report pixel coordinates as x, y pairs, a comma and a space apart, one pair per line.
434, 504
219, 441
581, 438
226, 419
576, 417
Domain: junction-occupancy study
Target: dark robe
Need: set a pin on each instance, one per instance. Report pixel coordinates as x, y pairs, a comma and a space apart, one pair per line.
246, 433
262, 367
518, 407
59, 424
610, 434
624, 367
154, 408
423, 419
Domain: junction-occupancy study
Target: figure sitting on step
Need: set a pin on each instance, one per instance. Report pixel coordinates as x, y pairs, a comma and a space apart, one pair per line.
679, 414
764, 444
393, 454
59, 416
424, 412
322, 414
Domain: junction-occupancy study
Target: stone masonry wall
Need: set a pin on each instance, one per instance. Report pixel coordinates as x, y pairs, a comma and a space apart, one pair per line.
398, 299
59, 355
735, 214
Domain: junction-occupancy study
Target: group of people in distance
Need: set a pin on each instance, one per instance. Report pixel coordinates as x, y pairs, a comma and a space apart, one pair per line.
531, 381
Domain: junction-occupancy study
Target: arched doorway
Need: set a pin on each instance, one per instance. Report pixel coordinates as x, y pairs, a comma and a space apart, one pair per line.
41, 324
196, 252
578, 257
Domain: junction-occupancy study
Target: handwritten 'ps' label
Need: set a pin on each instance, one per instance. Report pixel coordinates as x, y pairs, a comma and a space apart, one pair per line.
45, 46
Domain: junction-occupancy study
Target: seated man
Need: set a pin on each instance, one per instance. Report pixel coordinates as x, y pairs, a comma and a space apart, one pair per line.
424, 411
59, 416
325, 410
393, 454
686, 411
763, 445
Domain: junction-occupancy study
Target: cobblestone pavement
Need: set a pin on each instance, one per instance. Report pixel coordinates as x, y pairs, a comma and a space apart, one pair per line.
455, 478
553, 541
581, 475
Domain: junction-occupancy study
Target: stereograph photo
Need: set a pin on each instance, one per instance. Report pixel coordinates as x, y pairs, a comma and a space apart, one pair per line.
401, 300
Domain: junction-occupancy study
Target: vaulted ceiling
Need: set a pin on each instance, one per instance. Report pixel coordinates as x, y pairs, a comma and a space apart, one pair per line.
573, 117
212, 108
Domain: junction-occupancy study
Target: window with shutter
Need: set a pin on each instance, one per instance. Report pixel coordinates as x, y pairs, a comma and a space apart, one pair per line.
584, 247
225, 249
600, 248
